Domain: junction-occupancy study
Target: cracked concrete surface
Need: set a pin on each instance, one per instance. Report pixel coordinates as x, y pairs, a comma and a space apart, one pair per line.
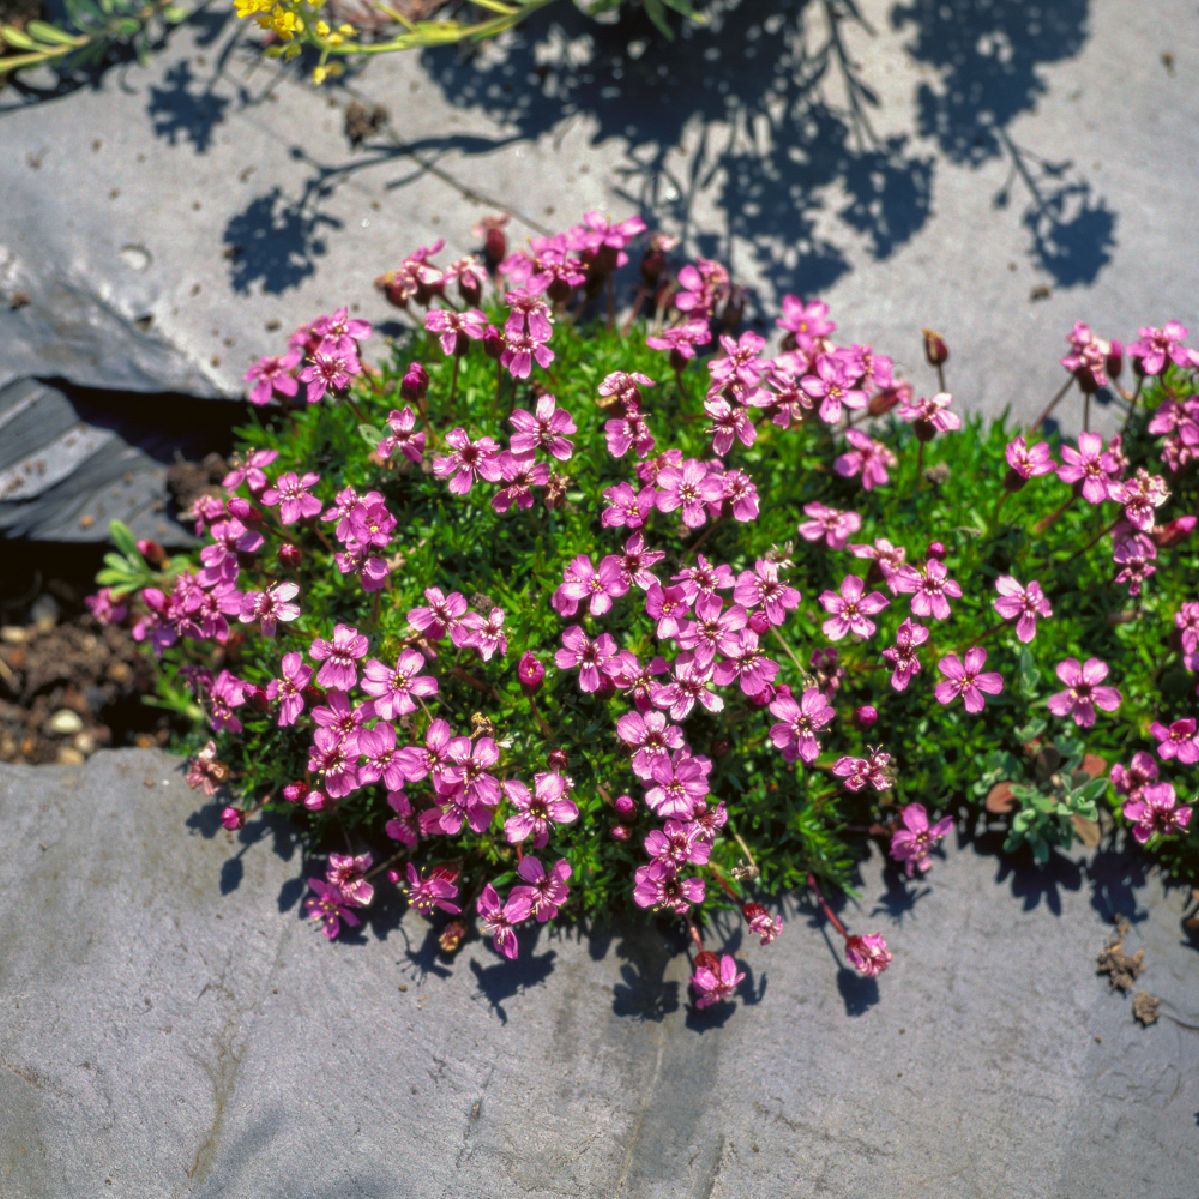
163, 1038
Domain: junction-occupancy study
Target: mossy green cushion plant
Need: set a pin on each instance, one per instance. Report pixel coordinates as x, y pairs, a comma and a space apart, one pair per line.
552, 615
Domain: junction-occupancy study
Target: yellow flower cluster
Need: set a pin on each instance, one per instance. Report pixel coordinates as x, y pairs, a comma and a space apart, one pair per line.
286, 19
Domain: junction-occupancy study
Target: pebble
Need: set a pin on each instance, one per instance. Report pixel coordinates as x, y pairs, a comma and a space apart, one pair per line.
65, 723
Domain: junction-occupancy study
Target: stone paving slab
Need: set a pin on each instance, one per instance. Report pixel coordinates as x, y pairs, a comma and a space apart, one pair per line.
173, 1028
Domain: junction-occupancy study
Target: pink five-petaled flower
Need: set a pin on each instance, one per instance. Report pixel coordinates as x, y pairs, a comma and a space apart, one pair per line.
1156, 347
912, 845
930, 587
581, 581
866, 457
930, 417
273, 376
549, 803
499, 918
902, 656
762, 588
1028, 462
795, 734
403, 436
289, 690
589, 656
339, 656
761, 923
457, 329
330, 367
681, 784
393, 688
329, 906
1090, 465
1022, 603
467, 461
436, 891
690, 488
545, 891
1141, 496
545, 428
1084, 693
831, 524
659, 885
965, 678
715, 979
850, 610
1155, 809
270, 606
1178, 740
868, 954
291, 494
443, 612
650, 736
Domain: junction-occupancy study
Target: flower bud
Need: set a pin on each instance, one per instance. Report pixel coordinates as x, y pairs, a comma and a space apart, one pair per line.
706, 959
1114, 363
233, 819
559, 291
936, 549
295, 792
1171, 534
495, 241
258, 699
493, 343
866, 716
556, 759
759, 622
621, 832
392, 289
153, 553
626, 807
470, 289
936, 352
887, 398
530, 672
290, 555
451, 936
415, 384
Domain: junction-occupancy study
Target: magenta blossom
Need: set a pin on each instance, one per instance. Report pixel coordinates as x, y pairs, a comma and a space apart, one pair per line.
867, 458
437, 891
795, 734
651, 738
499, 919
965, 679
456, 329
443, 613
1084, 693
330, 908
547, 805
831, 524
330, 368
716, 980
868, 954
1178, 741
545, 891
291, 494
689, 488
850, 610
468, 460
1021, 603
902, 656
396, 689
1157, 347
912, 845
546, 428
289, 690
403, 436
807, 323
591, 657
1028, 462
273, 376
931, 416
582, 582
1156, 810
930, 587
681, 782
339, 656
659, 886
1091, 466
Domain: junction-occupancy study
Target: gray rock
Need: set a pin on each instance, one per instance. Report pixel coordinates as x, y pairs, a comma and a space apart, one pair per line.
172, 1027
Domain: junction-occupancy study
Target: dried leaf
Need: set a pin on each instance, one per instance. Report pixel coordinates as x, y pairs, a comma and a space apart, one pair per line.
1087, 830
1001, 799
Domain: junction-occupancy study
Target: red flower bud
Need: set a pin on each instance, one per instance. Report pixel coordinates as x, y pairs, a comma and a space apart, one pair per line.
621, 832
153, 553
936, 352
530, 672
866, 716
626, 807
556, 759
415, 384
233, 819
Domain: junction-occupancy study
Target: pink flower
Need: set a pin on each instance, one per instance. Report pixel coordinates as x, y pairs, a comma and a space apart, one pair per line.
339, 657
740, 495
681, 782
339, 325
1178, 740
871, 771
232, 819
485, 633
715, 630
330, 367
690, 488
1156, 347
850, 610
289, 690
1141, 496
1084, 693
1091, 465
225, 694
105, 608
291, 494
691, 683
868, 458
761, 923
795, 734
931, 416
761, 588
834, 386
329, 907
498, 919
530, 673
1129, 780
591, 657
404, 826
443, 612
730, 423
457, 329
546, 428
716, 981
394, 687
902, 657
1156, 810
681, 340
807, 323
436, 891
929, 587
582, 581
678, 843
831, 524
273, 376
545, 892
467, 461
548, 804
1028, 462
868, 954
912, 845
626, 508
742, 365
520, 474
403, 436
965, 679
659, 886
1022, 604
270, 606
651, 738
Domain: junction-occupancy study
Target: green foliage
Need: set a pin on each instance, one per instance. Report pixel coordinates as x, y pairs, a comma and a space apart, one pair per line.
793, 819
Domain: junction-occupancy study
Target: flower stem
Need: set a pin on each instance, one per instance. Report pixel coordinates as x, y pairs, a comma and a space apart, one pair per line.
832, 916
1053, 403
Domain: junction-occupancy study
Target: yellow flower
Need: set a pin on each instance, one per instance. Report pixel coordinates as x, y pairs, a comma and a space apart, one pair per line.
248, 8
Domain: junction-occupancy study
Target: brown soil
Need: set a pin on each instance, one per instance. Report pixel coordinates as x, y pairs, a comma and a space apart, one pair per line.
1122, 969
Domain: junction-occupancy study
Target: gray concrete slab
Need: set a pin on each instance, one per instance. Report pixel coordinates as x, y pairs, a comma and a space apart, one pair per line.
173, 1028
